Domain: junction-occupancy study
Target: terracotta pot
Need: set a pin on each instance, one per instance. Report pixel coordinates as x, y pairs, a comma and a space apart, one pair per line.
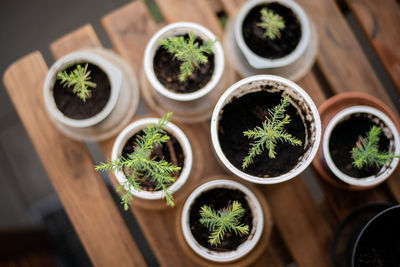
328, 110
121, 105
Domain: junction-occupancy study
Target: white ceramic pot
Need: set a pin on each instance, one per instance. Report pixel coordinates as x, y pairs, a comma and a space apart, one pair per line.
183, 103
292, 66
172, 129
244, 248
298, 98
120, 107
389, 130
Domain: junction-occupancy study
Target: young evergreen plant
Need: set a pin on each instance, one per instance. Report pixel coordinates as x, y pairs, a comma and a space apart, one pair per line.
79, 78
272, 131
366, 152
189, 52
272, 24
140, 165
223, 221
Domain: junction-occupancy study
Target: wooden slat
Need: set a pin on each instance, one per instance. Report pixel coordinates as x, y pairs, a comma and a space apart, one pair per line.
70, 169
380, 21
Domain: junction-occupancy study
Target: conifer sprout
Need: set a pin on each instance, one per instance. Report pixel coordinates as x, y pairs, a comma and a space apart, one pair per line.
79, 78
272, 23
138, 165
272, 131
188, 52
223, 221
366, 152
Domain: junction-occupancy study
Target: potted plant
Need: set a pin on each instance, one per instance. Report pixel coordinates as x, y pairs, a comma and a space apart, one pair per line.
91, 94
271, 37
222, 220
183, 71
151, 159
361, 146
265, 129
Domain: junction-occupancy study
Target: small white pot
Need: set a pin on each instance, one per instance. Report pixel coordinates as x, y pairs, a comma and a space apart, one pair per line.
244, 248
193, 102
292, 66
390, 131
139, 125
299, 99
120, 107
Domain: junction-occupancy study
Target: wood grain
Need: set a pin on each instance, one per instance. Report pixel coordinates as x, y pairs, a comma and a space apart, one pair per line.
380, 21
70, 169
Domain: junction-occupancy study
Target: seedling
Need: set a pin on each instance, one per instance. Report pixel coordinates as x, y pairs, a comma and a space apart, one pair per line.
272, 24
272, 131
189, 52
79, 78
223, 221
366, 152
138, 165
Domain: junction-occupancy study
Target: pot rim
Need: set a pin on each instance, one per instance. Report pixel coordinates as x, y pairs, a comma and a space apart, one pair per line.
369, 180
114, 76
259, 62
174, 130
251, 178
382, 213
245, 247
180, 28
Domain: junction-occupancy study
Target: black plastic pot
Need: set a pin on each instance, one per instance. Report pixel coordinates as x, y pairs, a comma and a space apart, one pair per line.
378, 243
349, 230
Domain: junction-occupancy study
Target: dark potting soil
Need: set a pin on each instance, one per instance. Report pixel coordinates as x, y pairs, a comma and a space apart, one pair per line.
380, 244
72, 106
246, 113
344, 138
263, 46
166, 68
175, 156
217, 199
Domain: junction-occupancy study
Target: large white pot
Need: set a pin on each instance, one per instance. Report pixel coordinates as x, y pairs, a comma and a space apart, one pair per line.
245, 247
183, 103
139, 125
299, 99
120, 107
292, 66
390, 131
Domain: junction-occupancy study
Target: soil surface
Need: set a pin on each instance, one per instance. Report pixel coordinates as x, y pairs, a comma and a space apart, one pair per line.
217, 199
344, 138
175, 156
246, 113
263, 46
380, 244
72, 106
166, 68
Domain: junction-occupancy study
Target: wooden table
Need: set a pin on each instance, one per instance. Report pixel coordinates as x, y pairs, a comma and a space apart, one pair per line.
303, 227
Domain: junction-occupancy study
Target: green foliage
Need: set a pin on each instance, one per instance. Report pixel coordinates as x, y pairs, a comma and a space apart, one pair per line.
366, 152
272, 131
272, 24
138, 164
79, 78
225, 220
189, 52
